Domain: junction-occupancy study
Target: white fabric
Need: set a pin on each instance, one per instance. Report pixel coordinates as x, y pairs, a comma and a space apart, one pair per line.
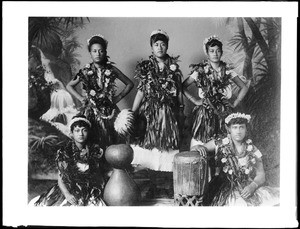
194, 75
32, 201
154, 159
195, 142
258, 154
267, 199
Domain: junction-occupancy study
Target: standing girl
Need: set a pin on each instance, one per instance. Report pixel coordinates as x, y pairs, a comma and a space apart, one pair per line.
100, 99
159, 100
212, 78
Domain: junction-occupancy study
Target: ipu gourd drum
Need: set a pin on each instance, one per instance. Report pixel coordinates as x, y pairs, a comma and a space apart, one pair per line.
120, 190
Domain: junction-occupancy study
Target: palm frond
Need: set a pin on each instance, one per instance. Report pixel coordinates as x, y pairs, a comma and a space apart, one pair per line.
237, 42
69, 55
258, 53
41, 27
71, 21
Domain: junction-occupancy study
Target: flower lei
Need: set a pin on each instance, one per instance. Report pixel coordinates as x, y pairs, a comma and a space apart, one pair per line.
100, 90
160, 86
80, 169
211, 84
36, 79
228, 161
77, 162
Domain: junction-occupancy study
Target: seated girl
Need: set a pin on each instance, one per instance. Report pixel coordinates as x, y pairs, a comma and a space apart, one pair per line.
80, 180
240, 175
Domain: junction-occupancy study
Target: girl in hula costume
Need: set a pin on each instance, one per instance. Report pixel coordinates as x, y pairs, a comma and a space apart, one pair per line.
80, 175
213, 79
100, 99
159, 101
240, 175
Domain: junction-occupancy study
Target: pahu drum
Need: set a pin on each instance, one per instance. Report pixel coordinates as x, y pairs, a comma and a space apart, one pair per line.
190, 177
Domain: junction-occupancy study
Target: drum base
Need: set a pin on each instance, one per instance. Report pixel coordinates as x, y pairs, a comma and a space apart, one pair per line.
188, 200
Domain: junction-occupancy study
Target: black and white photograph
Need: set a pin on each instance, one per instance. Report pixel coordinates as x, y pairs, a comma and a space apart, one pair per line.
150, 114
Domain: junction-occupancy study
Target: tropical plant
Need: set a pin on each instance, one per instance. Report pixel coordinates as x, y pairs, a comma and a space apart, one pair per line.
55, 36
69, 54
42, 143
42, 152
258, 40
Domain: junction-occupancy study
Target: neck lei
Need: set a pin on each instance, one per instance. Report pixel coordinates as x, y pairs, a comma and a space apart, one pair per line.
160, 63
236, 152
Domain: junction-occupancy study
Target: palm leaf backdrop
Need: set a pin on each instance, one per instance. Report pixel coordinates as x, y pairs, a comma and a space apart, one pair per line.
44, 32
259, 41
50, 35
69, 53
55, 36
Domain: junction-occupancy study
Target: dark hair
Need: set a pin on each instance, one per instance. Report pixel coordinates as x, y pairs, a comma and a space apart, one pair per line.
97, 40
237, 121
79, 123
212, 43
158, 37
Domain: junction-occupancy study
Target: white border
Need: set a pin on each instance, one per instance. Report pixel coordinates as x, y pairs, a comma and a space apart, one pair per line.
15, 209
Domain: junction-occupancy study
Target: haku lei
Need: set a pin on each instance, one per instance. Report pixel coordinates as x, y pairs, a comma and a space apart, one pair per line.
160, 86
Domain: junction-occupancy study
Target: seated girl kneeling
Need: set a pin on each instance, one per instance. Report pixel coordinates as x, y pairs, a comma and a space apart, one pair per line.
80, 180
240, 175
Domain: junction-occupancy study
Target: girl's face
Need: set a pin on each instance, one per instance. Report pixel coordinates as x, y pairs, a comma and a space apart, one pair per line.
214, 54
98, 53
80, 134
238, 132
159, 49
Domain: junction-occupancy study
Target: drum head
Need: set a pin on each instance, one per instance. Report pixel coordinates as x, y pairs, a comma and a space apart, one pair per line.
188, 157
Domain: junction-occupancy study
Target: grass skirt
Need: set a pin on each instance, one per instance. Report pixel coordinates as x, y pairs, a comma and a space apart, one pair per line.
54, 197
162, 130
102, 131
206, 124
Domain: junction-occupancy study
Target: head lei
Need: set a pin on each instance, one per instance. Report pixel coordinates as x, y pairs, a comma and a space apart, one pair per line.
76, 119
206, 40
159, 31
237, 115
97, 35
